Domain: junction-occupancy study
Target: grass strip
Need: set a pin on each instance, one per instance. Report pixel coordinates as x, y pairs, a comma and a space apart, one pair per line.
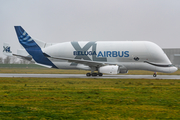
75, 98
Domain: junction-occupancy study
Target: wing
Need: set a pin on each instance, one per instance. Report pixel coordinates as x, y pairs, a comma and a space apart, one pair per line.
80, 61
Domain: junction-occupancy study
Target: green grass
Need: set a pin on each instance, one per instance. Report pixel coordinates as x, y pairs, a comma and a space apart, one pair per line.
66, 98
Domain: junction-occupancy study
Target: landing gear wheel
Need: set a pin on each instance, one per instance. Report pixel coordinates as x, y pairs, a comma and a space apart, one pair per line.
100, 74
88, 74
154, 75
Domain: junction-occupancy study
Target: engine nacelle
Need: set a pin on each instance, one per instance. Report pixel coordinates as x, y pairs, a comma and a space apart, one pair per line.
109, 69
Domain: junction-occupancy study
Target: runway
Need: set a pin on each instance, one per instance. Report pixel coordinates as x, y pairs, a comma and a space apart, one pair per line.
84, 76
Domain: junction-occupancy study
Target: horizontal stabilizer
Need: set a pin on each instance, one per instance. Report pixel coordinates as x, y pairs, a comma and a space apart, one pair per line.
29, 58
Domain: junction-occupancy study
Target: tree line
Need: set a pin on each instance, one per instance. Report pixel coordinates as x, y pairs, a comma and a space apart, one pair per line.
14, 60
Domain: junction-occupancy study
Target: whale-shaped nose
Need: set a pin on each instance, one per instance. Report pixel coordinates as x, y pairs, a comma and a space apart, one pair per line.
173, 69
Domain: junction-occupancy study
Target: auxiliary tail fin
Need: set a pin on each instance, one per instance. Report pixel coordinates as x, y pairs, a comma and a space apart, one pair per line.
32, 47
7, 49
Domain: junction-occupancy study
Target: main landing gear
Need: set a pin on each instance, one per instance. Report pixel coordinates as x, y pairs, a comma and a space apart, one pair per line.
93, 74
155, 74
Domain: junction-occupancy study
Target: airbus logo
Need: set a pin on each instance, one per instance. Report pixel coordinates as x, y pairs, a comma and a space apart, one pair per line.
113, 54
103, 53
83, 53
7, 49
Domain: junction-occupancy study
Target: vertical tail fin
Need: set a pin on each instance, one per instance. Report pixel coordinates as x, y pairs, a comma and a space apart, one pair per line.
32, 47
25, 40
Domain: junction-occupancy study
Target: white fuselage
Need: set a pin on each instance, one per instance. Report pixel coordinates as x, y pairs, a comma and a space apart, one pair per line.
131, 55
110, 57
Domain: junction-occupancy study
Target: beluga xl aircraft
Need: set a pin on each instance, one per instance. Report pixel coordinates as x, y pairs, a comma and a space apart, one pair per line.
109, 57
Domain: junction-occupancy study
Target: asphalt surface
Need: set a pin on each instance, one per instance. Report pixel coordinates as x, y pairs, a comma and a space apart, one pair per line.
84, 76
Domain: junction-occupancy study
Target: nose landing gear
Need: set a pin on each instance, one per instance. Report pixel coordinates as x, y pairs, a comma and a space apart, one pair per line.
155, 74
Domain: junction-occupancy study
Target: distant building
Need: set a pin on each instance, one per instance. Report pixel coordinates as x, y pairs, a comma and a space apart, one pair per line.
174, 55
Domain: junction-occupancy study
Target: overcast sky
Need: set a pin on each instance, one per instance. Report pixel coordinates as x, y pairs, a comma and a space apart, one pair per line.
91, 20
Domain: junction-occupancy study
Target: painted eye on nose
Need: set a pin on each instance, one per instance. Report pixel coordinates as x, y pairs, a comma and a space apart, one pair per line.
136, 58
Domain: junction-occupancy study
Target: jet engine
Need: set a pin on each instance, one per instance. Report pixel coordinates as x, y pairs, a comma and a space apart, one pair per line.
109, 69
